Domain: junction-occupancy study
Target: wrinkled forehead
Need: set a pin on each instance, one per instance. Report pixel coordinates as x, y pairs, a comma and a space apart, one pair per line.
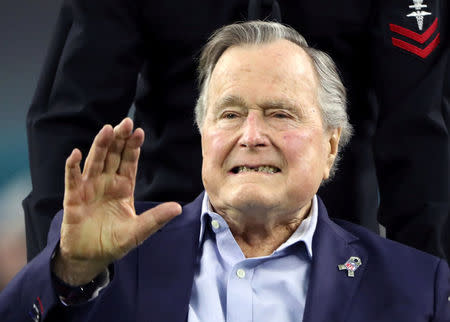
281, 65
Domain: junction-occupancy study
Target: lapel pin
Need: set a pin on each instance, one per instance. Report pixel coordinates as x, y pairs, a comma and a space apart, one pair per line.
351, 265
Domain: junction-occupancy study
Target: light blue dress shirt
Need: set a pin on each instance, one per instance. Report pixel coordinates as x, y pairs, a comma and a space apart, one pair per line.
229, 287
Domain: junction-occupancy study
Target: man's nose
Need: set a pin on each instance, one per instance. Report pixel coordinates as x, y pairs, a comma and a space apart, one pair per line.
254, 132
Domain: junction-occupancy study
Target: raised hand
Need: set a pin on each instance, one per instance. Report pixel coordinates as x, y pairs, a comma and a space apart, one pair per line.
100, 224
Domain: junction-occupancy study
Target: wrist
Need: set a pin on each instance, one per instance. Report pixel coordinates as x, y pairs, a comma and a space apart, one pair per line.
75, 272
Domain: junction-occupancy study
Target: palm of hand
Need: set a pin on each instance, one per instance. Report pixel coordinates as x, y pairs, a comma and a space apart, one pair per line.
100, 223
100, 215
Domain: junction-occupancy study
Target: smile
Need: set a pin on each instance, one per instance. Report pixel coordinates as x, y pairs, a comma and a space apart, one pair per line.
264, 169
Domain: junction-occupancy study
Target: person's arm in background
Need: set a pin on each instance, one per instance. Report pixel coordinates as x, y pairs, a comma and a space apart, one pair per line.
88, 79
411, 141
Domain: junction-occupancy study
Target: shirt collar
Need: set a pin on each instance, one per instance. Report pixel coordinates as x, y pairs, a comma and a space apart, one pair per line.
304, 232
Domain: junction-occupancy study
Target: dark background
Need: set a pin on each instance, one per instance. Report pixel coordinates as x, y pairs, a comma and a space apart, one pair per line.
25, 31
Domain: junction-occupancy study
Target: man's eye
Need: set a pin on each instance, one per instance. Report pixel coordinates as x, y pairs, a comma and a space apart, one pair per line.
229, 115
280, 115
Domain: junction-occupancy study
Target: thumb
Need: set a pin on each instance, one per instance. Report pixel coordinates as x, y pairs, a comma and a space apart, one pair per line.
154, 219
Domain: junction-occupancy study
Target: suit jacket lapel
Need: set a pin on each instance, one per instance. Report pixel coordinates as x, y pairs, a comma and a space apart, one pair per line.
330, 290
167, 260
166, 264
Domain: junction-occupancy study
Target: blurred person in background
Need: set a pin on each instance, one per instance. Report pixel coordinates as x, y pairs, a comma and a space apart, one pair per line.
12, 231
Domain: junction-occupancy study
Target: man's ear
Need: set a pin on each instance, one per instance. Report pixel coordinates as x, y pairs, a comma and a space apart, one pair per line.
333, 144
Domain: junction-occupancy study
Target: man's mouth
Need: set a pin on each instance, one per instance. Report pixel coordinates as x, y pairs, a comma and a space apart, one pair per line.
264, 169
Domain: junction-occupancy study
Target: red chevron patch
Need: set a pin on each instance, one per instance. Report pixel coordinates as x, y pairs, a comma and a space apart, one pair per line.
420, 38
423, 53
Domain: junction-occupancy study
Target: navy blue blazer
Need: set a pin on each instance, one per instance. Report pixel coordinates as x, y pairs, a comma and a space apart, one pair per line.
153, 282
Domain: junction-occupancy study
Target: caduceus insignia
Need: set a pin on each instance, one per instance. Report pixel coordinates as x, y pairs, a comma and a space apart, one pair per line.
418, 13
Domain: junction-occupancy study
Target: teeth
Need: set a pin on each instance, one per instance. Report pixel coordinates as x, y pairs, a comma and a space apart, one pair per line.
266, 169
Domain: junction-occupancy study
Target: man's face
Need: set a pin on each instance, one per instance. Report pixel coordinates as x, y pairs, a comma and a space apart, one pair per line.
263, 140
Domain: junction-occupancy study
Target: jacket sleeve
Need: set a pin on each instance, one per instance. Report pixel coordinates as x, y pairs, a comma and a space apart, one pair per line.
30, 295
408, 69
88, 80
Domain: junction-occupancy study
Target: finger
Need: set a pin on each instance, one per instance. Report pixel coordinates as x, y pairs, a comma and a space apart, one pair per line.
95, 161
130, 154
152, 220
121, 133
73, 171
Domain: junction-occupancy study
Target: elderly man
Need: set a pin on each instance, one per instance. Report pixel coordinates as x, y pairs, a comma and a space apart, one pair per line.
258, 244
